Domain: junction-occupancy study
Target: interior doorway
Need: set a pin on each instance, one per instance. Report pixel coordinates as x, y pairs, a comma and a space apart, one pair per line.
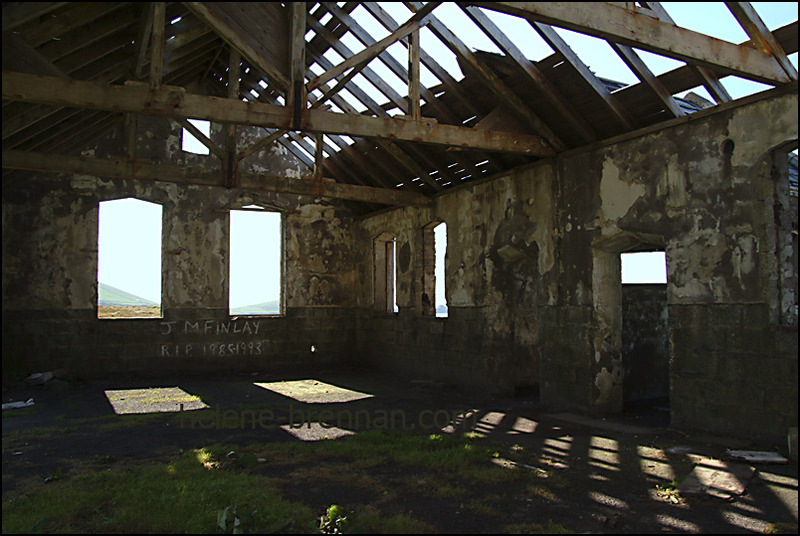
645, 330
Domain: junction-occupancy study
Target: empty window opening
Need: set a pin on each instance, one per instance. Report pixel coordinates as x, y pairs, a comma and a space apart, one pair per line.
255, 262
644, 267
189, 143
129, 259
440, 247
433, 300
385, 266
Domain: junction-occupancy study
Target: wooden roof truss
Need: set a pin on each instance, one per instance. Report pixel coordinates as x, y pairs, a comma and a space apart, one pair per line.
74, 70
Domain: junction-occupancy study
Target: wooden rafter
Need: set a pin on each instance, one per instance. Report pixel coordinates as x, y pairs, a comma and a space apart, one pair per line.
645, 75
360, 60
577, 122
760, 35
710, 80
202, 138
434, 106
143, 38
373, 107
557, 43
613, 23
157, 44
492, 81
221, 21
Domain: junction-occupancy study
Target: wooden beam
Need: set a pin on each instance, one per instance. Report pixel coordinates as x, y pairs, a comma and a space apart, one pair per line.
413, 76
450, 84
336, 44
319, 157
645, 75
202, 138
558, 44
360, 60
492, 81
620, 25
710, 80
297, 96
229, 161
130, 135
20, 56
18, 13
157, 44
122, 168
760, 35
226, 27
143, 38
553, 94
175, 102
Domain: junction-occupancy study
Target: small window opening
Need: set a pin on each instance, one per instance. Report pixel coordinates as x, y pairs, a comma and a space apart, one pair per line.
129, 259
255, 262
189, 143
644, 267
385, 267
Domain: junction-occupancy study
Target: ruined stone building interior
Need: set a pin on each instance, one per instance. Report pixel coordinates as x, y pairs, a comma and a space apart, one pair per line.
459, 222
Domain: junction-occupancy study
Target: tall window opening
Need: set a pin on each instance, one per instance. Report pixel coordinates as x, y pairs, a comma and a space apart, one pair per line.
440, 246
434, 251
385, 268
129, 259
255, 262
189, 143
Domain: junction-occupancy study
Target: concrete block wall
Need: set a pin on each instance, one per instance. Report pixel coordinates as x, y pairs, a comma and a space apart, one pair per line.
732, 371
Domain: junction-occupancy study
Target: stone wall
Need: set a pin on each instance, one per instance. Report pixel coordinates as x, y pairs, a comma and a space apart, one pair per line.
500, 254
532, 274
533, 269
50, 255
645, 342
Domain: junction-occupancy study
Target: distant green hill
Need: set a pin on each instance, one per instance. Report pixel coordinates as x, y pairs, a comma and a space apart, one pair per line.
108, 295
271, 307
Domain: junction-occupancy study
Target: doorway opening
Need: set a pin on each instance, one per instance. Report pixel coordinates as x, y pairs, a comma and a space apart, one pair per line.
645, 331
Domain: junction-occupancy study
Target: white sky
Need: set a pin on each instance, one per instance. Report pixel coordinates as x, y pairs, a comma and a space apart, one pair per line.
255, 257
129, 246
130, 254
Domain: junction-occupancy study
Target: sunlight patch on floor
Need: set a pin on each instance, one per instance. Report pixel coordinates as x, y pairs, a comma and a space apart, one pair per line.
152, 400
315, 431
313, 391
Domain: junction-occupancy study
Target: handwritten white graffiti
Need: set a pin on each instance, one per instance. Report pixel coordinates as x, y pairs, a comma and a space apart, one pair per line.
210, 327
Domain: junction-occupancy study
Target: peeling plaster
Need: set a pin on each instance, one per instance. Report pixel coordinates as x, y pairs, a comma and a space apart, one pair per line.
607, 382
618, 195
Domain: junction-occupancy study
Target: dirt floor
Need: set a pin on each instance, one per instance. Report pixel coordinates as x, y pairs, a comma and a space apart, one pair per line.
598, 475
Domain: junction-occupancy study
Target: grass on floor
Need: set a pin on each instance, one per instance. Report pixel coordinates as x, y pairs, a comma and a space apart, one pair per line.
219, 488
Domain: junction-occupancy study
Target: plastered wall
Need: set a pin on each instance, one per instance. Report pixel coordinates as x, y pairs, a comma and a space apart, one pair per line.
533, 274
50, 232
